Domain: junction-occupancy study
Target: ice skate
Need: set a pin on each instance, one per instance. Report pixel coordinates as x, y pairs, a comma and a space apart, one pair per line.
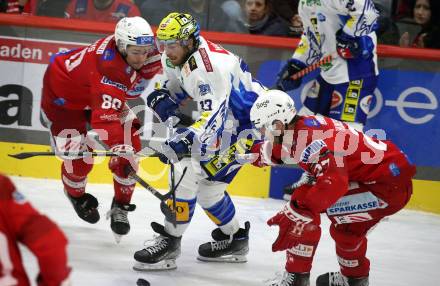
337, 279
289, 279
160, 254
85, 207
226, 248
118, 219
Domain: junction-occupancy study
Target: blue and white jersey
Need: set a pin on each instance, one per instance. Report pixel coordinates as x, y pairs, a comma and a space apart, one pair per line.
221, 85
321, 20
224, 90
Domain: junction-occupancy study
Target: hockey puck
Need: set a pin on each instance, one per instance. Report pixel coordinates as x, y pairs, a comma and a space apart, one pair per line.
142, 282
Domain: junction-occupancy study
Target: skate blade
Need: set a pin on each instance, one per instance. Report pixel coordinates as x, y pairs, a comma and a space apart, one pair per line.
117, 237
168, 264
225, 259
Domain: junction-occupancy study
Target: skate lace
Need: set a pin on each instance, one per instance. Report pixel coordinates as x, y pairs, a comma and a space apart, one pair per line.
156, 244
285, 279
118, 215
221, 244
337, 279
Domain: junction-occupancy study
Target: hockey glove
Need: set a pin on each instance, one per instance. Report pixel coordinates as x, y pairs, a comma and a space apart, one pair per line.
161, 102
349, 47
296, 226
284, 77
267, 154
122, 165
177, 147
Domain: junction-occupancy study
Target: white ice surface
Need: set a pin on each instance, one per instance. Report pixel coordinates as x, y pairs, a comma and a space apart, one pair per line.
404, 250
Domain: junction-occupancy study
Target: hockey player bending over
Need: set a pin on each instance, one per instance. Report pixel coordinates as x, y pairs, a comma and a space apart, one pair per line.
223, 89
90, 86
21, 223
359, 181
344, 89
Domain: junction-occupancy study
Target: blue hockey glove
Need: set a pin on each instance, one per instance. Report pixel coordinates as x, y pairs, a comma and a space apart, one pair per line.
162, 103
177, 147
284, 81
349, 47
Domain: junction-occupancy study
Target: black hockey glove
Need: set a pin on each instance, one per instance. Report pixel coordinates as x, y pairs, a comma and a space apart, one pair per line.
284, 78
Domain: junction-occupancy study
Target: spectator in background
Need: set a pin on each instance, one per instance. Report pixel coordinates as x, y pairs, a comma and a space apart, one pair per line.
387, 32
51, 8
209, 15
261, 20
233, 9
155, 10
288, 11
15, 6
425, 14
101, 10
21, 223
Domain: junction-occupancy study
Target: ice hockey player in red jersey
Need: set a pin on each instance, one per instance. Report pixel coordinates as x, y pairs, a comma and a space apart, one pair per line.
89, 87
358, 181
101, 10
21, 223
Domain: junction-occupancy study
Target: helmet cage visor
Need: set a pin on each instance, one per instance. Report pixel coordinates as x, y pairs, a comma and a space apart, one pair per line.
170, 44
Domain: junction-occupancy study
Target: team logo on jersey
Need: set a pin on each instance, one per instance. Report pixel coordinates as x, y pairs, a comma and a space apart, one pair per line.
395, 171
204, 89
192, 63
336, 99
311, 122
108, 55
59, 101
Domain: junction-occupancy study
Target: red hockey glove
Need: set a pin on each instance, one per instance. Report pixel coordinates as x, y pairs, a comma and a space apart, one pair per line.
266, 154
296, 226
121, 165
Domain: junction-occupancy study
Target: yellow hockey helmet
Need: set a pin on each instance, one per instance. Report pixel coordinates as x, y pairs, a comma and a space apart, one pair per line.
178, 26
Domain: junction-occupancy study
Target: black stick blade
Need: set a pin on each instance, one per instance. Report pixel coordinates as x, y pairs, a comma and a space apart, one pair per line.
26, 155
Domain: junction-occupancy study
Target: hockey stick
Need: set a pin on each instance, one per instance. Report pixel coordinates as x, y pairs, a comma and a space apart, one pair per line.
26, 155
324, 60
169, 213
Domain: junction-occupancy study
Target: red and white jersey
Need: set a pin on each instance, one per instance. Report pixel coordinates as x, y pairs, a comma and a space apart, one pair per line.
86, 10
334, 153
21, 223
95, 77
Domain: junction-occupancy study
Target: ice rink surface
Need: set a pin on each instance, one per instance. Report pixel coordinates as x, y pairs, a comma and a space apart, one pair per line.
404, 250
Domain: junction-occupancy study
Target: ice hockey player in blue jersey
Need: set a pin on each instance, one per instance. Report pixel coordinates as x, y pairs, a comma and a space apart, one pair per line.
220, 84
344, 89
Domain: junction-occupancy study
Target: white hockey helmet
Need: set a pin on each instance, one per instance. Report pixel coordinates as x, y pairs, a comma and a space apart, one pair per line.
133, 31
271, 106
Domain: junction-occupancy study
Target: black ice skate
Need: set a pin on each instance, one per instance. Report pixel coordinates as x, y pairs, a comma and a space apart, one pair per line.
85, 207
337, 279
226, 248
290, 279
118, 218
306, 178
161, 254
